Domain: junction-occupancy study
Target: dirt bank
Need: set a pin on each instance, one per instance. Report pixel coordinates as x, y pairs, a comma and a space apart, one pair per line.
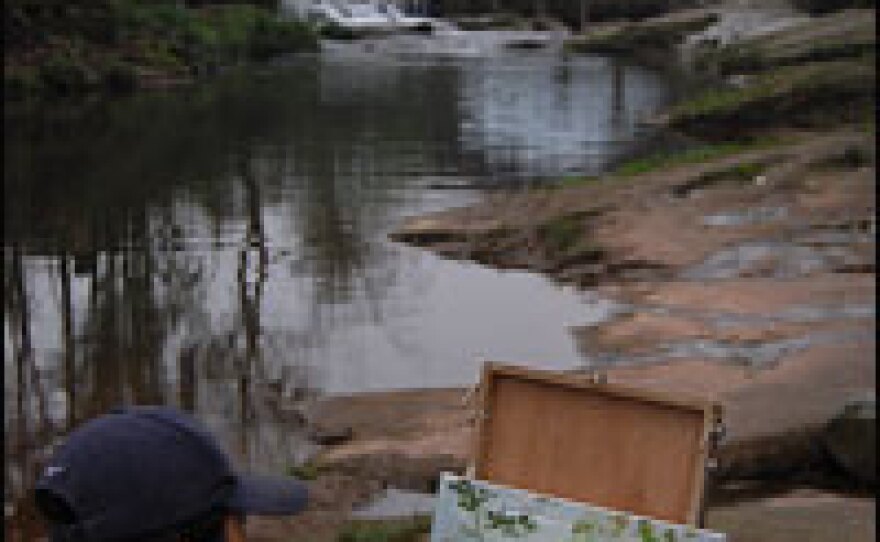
748, 277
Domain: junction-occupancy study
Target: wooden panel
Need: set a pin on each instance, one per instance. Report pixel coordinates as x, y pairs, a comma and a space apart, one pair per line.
602, 444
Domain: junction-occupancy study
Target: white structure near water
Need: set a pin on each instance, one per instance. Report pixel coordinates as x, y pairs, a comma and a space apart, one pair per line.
300, 8
475, 511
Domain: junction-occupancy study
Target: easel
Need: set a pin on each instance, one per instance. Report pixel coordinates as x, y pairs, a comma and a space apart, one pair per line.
593, 453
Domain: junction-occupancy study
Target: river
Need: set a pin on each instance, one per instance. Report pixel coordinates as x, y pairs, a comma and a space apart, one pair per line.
223, 247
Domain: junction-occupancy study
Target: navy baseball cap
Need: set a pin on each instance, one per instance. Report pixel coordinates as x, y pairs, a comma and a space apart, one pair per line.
144, 471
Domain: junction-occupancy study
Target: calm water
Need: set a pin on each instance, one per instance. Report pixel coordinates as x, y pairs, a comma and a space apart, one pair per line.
224, 247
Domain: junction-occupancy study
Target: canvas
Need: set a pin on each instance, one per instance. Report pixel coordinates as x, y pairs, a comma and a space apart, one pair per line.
611, 445
469, 510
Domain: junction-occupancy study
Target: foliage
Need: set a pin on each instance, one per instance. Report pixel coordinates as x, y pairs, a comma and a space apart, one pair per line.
703, 153
77, 46
849, 157
119, 76
21, 81
561, 233
632, 37
809, 94
849, 35
745, 171
411, 530
66, 75
333, 31
306, 471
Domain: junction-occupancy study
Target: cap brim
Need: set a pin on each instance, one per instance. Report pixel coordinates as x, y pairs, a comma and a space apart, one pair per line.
269, 495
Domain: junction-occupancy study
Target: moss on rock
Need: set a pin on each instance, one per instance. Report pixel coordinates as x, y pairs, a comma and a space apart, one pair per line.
812, 94
629, 38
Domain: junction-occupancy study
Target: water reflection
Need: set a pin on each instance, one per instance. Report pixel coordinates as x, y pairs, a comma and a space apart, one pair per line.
223, 248
540, 119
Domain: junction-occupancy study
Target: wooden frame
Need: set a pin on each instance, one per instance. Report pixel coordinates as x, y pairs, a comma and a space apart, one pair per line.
651, 460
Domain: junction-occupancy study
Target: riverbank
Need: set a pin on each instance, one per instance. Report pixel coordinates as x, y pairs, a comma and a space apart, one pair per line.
745, 272
116, 47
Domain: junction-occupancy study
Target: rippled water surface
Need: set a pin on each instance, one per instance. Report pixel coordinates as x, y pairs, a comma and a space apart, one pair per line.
224, 247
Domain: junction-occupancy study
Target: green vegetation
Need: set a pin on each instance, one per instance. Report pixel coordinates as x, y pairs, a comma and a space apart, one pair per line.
305, 471
74, 47
816, 74
745, 171
848, 35
630, 38
565, 235
749, 58
850, 157
738, 174
812, 94
333, 31
703, 153
408, 530
561, 234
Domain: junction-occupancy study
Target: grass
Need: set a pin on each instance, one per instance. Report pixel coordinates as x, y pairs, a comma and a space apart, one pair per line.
834, 37
745, 171
656, 162
703, 153
406, 530
817, 93
306, 471
750, 59
561, 233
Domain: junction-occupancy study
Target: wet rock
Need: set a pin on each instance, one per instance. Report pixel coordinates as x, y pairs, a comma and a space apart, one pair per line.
797, 516
851, 439
407, 472
396, 503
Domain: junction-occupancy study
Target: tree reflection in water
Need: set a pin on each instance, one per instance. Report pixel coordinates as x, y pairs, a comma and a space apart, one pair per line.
209, 247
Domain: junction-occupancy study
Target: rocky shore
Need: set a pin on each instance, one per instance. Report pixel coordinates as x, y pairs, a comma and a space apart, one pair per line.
744, 270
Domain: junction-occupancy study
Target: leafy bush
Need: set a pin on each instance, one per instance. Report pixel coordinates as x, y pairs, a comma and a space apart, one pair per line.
809, 94
119, 76
21, 81
703, 153
71, 41
65, 75
272, 36
562, 233
305, 471
849, 35
333, 31
386, 531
